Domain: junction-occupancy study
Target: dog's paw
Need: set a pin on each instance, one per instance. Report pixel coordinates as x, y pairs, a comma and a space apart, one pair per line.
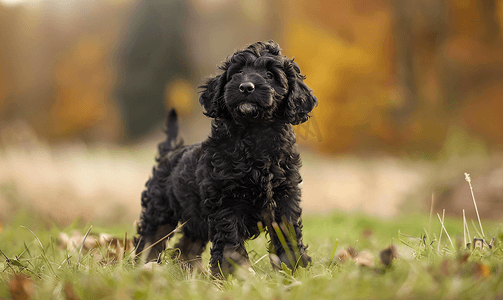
233, 262
291, 261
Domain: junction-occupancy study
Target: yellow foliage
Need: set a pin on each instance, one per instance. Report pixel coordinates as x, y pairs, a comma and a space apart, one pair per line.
485, 116
3, 92
350, 80
499, 14
61, 79
180, 94
348, 50
83, 85
353, 53
3, 85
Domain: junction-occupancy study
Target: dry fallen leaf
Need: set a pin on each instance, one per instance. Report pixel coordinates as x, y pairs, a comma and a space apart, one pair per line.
387, 255
344, 254
21, 287
112, 248
464, 257
481, 270
106, 240
364, 258
110, 258
367, 233
446, 267
75, 241
70, 292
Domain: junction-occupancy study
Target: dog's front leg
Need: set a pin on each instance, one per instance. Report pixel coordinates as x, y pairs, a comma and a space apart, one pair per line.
284, 225
286, 245
227, 235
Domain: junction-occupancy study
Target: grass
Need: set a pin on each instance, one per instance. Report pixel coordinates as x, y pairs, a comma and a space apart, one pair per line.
36, 264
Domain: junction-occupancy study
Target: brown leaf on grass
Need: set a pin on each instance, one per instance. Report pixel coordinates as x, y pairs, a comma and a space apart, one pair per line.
364, 258
109, 258
447, 268
92, 241
344, 254
367, 233
481, 270
70, 292
463, 258
107, 240
76, 240
116, 247
112, 248
21, 287
387, 255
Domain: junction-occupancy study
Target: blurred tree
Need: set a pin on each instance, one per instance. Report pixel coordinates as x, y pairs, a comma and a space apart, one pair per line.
450, 58
154, 54
56, 67
84, 82
397, 75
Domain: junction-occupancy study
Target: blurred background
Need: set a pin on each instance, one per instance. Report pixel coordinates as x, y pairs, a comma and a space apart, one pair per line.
410, 97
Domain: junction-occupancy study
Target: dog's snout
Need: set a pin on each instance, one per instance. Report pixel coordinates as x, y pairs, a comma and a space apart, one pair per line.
246, 88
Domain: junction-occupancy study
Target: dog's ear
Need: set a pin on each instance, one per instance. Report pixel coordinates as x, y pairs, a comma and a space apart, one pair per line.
212, 96
300, 99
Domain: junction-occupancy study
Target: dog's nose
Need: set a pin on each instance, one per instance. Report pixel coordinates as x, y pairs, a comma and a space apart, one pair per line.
246, 88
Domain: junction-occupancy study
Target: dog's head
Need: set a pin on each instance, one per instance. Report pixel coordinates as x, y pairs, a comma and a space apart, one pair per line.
258, 84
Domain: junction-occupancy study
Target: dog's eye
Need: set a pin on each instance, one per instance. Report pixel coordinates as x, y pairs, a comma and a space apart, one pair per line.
270, 75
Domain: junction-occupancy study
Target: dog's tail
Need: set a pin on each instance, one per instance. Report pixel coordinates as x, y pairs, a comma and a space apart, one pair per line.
170, 143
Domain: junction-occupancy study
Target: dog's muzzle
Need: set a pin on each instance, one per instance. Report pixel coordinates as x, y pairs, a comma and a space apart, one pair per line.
247, 108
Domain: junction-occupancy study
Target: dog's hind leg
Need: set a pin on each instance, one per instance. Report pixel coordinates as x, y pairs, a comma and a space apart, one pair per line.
157, 220
191, 250
152, 245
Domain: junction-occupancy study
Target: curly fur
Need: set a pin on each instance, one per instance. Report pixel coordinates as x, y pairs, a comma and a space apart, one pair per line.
245, 174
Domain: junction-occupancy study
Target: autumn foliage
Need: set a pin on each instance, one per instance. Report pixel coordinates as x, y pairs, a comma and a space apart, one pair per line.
399, 74
390, 75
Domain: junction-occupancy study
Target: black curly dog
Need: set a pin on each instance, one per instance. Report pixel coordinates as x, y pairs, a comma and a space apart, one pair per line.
245, 174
